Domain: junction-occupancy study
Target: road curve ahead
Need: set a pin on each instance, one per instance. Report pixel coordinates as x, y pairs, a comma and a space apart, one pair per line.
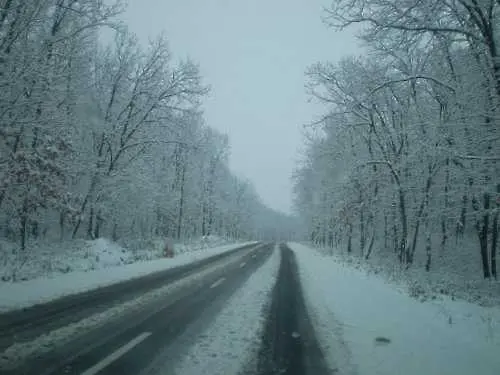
289, 346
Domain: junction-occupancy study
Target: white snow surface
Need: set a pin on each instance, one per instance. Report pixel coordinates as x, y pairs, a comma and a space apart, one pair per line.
456, 271
232, 340
350, 309
52, 257
48, 259
44, 289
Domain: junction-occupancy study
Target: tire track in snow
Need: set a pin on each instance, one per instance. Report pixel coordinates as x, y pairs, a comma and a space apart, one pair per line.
289, 346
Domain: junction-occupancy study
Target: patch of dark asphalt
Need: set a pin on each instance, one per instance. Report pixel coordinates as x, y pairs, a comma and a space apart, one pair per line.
289, 345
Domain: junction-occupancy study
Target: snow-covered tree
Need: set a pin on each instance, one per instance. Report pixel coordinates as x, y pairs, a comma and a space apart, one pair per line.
409, 146
108, 138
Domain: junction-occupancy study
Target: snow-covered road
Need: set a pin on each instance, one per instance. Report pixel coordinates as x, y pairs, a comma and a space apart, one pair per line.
274, 309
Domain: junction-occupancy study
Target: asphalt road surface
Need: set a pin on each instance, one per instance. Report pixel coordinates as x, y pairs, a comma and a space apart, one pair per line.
137, 340
129, 345
26, 324
289, 345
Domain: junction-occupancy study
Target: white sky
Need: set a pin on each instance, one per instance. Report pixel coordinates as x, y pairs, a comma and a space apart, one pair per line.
253, 54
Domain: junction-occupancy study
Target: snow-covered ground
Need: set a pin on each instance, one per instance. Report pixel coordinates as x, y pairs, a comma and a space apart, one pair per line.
53, 258
43, 289
367, 326
50, 258
232, 340
456, 271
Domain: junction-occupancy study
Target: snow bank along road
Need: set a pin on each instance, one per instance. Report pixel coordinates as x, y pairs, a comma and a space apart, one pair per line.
92, 332
367, 326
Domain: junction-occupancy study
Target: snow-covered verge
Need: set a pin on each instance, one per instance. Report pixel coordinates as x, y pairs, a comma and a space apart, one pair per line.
47, 259
44, 289
454, 273
232, 340
19, 352
50, 259
152, 248
200, 244
380, 329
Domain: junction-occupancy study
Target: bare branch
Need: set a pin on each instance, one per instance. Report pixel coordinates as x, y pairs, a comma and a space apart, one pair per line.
413, 78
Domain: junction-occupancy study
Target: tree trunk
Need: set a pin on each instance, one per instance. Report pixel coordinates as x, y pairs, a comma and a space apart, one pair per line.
482, 231
2, 195
204, 220
494, 236
77, 225
420, 215
35, 229
89, 195
159, 222
98, 225
395, 235
349, 241
90, 228
386, 232
114, 235
494, 244
428, 247
403, 248
463, 217
370, 246
24, 224
362, 239
210, 222
181, 203
61, 225
444, 234
495, 58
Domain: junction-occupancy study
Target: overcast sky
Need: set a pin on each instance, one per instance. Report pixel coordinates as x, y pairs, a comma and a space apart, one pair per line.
253, 54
